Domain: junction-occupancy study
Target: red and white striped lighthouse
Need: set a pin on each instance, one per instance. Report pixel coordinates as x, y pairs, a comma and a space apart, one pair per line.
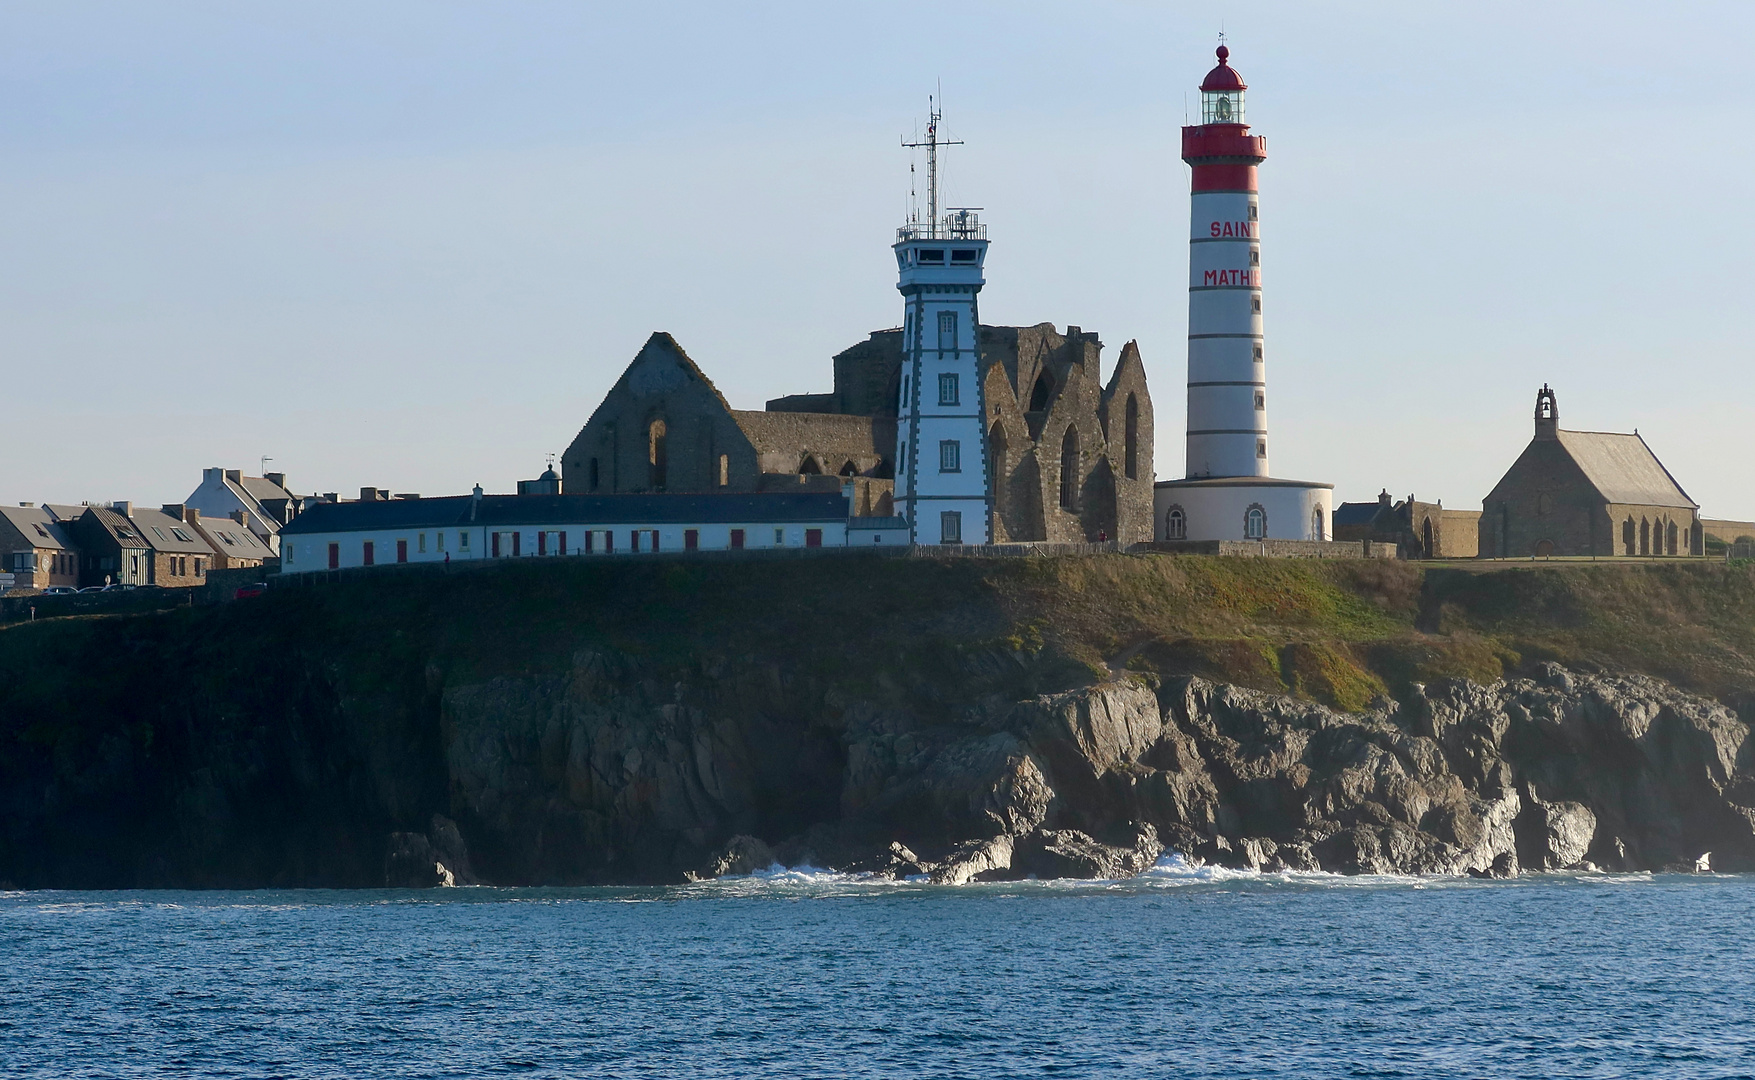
1227, 492
1227, 380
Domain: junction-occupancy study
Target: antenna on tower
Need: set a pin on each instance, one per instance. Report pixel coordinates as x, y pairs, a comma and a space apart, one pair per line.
932, 142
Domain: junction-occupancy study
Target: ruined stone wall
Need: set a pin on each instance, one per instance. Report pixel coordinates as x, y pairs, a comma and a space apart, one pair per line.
616, 450
1048, 411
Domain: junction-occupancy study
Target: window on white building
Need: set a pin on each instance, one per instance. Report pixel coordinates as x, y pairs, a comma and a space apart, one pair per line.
779, 537
947, 331
1176, 524
950, 527
947, 389
950, 456
421, 543
462, 541
1255, 523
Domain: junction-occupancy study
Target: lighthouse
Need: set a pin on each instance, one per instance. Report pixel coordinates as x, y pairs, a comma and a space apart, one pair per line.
1228, 492
941, 454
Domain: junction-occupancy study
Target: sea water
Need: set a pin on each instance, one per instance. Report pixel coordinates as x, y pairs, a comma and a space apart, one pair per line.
1180, 973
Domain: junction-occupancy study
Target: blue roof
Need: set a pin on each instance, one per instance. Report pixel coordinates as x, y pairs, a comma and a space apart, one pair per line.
514, 510
1359, 513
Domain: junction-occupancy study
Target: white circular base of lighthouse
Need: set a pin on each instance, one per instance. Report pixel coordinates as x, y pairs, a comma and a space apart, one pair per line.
1242, 508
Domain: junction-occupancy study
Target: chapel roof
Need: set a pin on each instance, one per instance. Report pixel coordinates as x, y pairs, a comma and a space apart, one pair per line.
1623, 469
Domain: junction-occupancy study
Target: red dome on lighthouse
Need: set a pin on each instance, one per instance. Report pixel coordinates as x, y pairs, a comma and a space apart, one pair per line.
1223, 77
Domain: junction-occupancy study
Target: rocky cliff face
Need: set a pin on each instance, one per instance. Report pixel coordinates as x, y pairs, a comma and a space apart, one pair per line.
597, 775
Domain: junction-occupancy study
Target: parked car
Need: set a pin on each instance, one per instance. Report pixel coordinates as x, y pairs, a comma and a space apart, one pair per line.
253, 589
118, 587
94, 588
59, 590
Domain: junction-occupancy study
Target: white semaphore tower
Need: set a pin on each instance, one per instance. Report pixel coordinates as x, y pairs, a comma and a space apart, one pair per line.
941, 453
1228, 493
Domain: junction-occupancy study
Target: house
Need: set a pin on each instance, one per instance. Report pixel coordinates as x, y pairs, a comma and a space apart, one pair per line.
334, 536
35, 548
1420, 530
111, 549
179, 558
224, 492
1595, 493
234, 546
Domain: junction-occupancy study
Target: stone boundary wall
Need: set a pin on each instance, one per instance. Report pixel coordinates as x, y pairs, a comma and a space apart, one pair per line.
1274, 549
119, 602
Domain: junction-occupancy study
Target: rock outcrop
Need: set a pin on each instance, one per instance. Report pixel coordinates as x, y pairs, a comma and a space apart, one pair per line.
598, 777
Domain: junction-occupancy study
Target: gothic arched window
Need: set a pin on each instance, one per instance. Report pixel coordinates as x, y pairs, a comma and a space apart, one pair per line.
1627, 539
657, 455
1041, 392
1069, 469
1131, 438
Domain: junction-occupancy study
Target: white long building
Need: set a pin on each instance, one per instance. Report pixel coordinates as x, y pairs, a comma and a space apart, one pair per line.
337, 536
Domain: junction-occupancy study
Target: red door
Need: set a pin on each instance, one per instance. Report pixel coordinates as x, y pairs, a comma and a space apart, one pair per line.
813, 538
737, 539
691, 540
402, 551
334, 556
496, 545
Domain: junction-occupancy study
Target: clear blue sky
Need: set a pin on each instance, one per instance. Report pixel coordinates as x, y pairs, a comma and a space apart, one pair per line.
410, 244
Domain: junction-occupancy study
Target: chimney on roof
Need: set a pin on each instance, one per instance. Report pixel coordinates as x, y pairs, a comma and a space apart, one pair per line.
332, 496
278, 479
242, 517
26, 504
474, 501
1383, 497
191, 515
368, 494
126, 509
172, 510
234, 475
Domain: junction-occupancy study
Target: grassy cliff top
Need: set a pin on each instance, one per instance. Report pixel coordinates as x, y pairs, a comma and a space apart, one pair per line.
1339, 632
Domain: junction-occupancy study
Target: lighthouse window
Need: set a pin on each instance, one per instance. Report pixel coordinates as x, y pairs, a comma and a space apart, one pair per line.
947, 389
947, 331
1261, 448
1176, 524
1255, 256
1255, 523
1258, 354
950, 456
1260, 401
1255, 305
932, 255
1252, 211
950, 527
963, 255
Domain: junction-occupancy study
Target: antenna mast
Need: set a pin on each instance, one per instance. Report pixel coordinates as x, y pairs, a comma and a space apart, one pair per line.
932, 143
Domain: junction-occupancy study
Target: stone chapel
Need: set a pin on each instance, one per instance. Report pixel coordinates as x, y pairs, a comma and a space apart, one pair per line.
1587, 493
